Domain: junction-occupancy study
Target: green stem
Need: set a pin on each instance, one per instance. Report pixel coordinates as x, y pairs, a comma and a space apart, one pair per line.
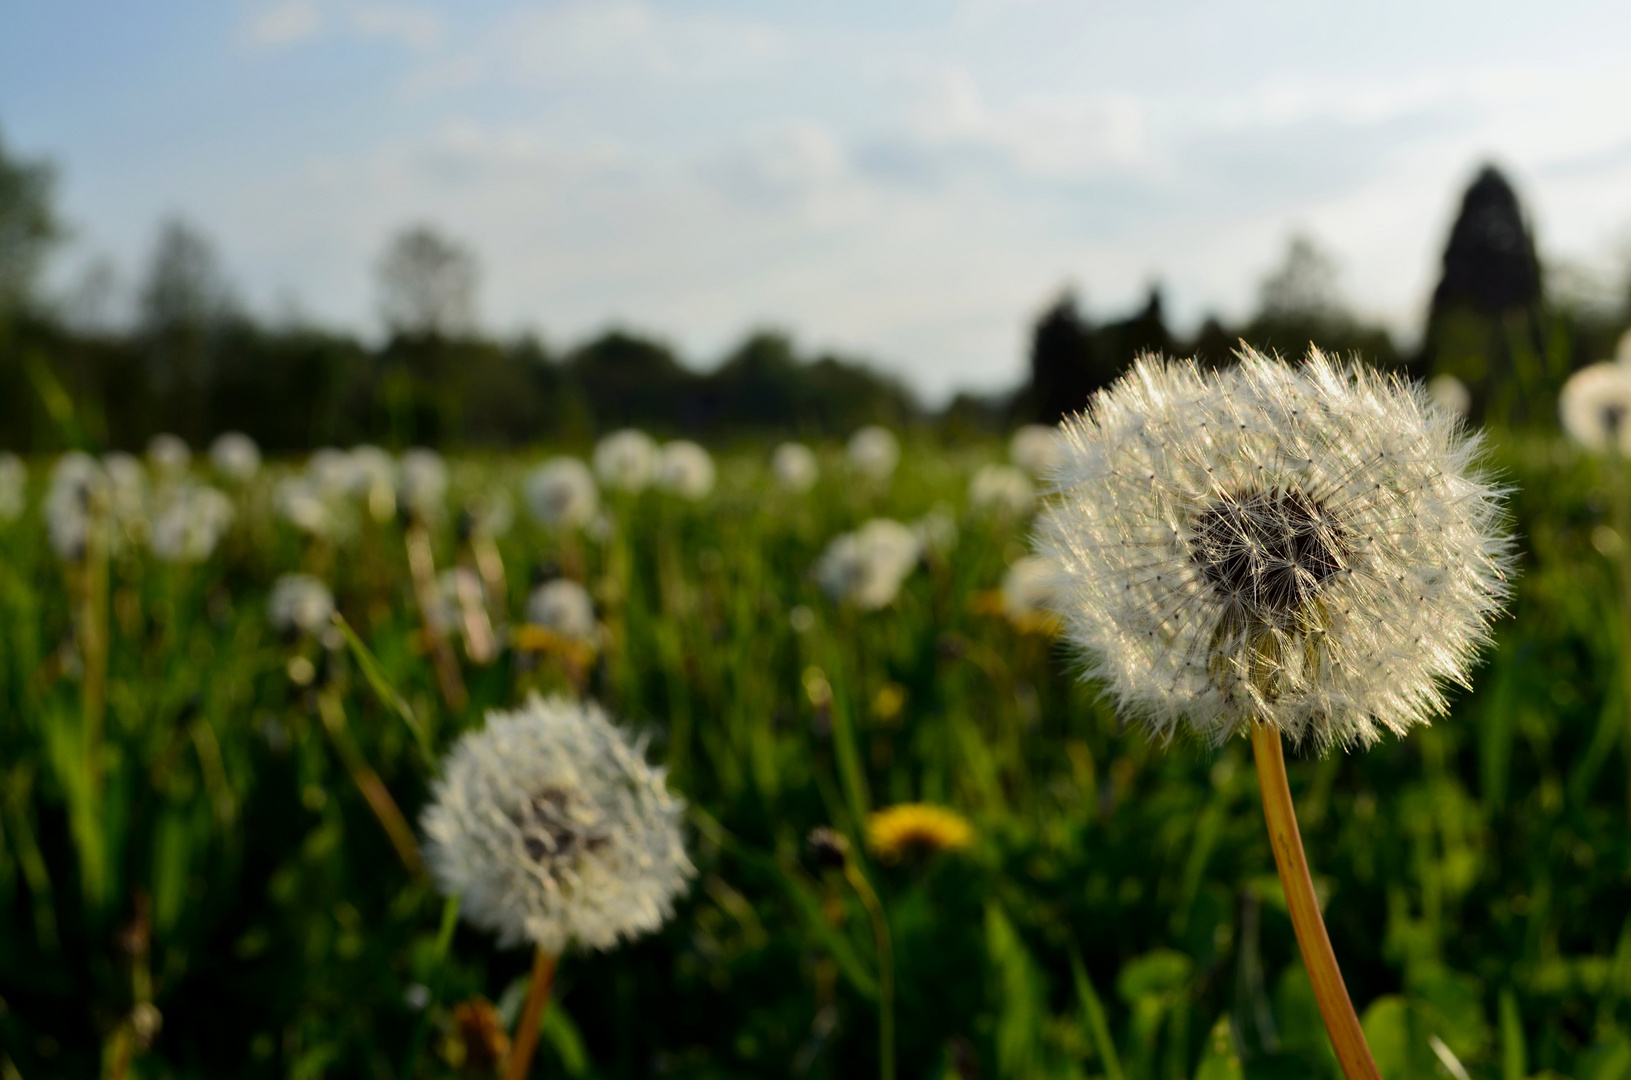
421, 1030
886, 968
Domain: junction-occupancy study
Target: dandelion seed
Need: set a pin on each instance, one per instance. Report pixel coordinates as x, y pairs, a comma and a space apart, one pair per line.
564, 607
794, 466
626, 460
1311, 548
920, 827
868, 566
875, 452
561, 494
1595, 408
13, 487
1036, 449
685, 469
235, 456
299, 602
554, 830
1003, 490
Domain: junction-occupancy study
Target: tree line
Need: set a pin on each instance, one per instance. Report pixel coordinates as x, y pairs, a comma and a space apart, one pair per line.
196, 363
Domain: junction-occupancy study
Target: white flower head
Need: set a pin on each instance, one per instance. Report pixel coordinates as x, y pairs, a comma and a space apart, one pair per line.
1028, 588
1003, 490
299, 602
127, 495
334, 472
235, 456
299, 501
554, 830
563, 606
169, 455
875, 451
1036, 448
561, 494
191, 524
867, 567
685, 469
936, 531
626, 460
424, 482
1595, 407
457, 588
1451, 393
794, 466
1312, 548
76, 481
13, 487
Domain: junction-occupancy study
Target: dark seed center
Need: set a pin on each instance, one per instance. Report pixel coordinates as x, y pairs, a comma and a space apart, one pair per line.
1267, 551
549, 830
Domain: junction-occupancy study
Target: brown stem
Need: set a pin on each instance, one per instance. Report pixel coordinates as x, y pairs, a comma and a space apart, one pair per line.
422, 568
373, 789
532, 1015
1347, 1039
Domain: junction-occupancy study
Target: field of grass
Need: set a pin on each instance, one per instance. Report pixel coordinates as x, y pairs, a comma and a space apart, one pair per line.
192, 876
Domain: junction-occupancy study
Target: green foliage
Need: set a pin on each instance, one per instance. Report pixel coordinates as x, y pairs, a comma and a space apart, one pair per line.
1118, 916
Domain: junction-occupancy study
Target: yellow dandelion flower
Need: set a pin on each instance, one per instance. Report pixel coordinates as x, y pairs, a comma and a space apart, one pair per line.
916, 827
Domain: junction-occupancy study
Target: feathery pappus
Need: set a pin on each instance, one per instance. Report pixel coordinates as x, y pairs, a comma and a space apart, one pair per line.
1310, 547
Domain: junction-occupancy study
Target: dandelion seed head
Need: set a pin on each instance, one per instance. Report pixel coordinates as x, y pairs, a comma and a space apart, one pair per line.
553, 829
169, 455
685, 469
874, 451
867, 567
76, 480
1036, 448
1451, 393
423, 480
190, 524
299, 501
1311, 547
299, 602
1002, 490
936, 531
235, 456
626, 460
1028, 588
563, 606
561, 494
1595, 408
794, 466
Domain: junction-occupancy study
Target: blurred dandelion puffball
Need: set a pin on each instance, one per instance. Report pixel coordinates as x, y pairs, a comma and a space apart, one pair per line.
1036, 448
685, 469
554, 830
190, 524
1003, 490
866, 567
169, 455
563, 606
875, 452
235, 456
1027, 588
423, 482
13, 487
626, 460
1307, 547
936, 531
794, 467
1595, 408
76, 481
299, 602
561, 494
1451, 393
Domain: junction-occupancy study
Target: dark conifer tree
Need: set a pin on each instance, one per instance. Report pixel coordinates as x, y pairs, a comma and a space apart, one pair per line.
1064, 362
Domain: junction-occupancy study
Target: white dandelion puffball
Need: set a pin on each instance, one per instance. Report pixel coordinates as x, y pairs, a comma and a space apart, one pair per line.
1595, 408
794, 466
458, 588
300, 502
685, 469
1310, 547
1003, 490
169, 455
424, 482
561, 494
235, 456
1451, 393
127, 495
334, 472
563, 606
936, 531
626, 460
491, 513
1027, 588
13, 487
191, 524
76, 481
1036, 448
867, 567
554, 830
875, 451
299, 602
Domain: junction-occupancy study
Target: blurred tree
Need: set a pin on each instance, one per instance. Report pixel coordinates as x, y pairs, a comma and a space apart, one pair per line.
28, 226
1300, 304
1487, 326
427, 284
1065, 367
183, 303
1303, 286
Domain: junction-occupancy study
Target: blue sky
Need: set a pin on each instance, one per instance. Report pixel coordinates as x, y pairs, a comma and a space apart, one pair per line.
907, 181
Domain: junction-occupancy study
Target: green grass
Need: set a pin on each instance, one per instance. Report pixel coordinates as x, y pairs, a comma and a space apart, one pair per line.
208, 851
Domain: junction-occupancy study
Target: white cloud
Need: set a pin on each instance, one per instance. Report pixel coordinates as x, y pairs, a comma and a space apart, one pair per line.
414, 27
285, 23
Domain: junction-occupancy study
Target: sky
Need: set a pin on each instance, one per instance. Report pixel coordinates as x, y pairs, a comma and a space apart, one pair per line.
908, 182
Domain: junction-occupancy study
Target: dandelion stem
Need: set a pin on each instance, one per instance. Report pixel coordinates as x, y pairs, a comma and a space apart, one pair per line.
369, 784
532, 1016
886, 968
1347, 1039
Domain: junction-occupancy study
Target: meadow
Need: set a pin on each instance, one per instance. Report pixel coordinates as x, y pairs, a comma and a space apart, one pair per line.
201, 876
